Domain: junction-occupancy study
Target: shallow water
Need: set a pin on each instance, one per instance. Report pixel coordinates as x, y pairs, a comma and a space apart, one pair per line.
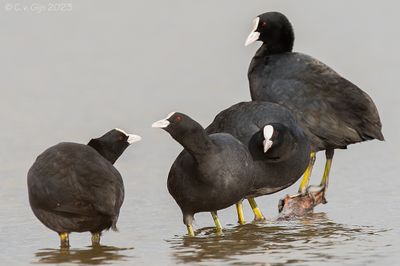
70, 76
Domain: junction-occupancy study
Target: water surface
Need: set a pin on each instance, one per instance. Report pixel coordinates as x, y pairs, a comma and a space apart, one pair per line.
71, 76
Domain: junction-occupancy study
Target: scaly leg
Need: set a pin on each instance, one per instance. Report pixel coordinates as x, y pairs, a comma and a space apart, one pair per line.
306, 177
217, 223
190, 230
96, 239
188, 221
325, 178
239, 210
64, 240
257, 212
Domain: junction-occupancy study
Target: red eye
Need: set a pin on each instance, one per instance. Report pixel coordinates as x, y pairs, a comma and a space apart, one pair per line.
178, 118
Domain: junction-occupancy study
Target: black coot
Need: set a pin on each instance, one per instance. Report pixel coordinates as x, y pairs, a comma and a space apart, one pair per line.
75, 187
332, 111
213, 171
278, 146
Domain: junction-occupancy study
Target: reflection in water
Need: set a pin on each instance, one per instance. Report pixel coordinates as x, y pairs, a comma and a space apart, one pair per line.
278, 242
96, 255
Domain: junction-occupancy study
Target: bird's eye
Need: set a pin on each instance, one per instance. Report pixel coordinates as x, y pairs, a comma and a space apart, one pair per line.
263, 24
178, 118
121, 137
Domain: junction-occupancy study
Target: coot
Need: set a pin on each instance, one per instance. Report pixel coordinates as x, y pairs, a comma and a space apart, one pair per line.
332, 111
213, 171
75, 187
279, 149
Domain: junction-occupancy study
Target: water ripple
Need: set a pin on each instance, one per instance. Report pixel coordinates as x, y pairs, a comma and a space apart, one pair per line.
313, 238
97, 255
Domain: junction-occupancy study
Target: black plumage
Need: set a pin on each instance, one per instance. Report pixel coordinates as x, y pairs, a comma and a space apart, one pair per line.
213, 171
332, 111
285, 161
75, 187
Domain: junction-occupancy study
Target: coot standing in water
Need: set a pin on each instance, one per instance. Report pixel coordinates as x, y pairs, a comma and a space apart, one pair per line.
75, 187
279, 149
213, 171
332, 111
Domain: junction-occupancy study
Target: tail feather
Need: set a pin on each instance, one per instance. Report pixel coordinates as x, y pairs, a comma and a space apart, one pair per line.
375, 133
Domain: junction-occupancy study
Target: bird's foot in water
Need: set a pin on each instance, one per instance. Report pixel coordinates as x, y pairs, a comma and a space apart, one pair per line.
300, 204
259, 218
96, 239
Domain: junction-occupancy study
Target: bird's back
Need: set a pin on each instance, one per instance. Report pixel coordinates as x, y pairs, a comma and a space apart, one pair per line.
332, 111
244, 119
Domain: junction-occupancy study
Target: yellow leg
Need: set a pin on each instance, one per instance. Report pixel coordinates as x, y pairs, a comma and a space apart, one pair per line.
306, 177
216, 221
96, 239
325, 177
257, 212
190, 230
64, 240
239, 210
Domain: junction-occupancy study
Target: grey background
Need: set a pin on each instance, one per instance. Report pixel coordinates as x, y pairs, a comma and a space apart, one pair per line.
71, 76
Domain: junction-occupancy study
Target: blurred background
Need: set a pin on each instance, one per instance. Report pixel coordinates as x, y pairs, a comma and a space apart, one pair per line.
72, 70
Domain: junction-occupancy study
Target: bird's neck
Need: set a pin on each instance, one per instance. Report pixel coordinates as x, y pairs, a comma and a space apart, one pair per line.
102, 149
197, 143
267, 49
